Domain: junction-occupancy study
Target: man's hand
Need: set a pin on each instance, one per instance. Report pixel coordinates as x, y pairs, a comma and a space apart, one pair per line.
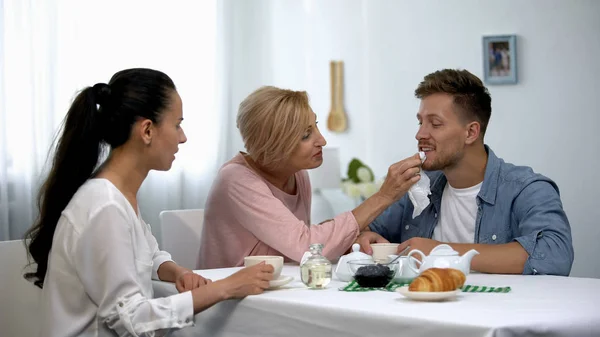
188, 280
422, 244
366, 238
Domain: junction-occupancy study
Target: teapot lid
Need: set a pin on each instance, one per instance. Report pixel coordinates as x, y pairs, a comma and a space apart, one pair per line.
356, 254
443, 250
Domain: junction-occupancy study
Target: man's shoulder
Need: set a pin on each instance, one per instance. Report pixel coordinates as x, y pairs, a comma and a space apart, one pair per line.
519, 176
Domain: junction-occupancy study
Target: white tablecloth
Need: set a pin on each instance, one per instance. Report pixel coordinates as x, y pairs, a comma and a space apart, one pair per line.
536, 306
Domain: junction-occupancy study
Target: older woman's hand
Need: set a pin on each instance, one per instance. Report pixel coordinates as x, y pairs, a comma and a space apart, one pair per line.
366, 238
401, 176
188, 280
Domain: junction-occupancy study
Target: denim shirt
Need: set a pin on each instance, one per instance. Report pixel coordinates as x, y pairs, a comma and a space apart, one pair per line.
514, 204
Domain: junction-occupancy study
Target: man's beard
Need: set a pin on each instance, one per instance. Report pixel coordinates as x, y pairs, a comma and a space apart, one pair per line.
441, 162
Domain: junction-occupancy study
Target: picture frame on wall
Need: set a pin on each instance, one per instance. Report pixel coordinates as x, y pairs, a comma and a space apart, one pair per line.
500, 59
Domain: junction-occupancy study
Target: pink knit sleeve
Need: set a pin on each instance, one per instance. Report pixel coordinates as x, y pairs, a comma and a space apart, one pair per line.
253, 204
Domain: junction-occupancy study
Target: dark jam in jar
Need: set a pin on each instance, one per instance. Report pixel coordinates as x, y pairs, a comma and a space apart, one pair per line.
373, 276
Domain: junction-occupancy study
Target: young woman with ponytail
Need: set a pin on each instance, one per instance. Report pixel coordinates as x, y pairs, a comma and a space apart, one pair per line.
95, 255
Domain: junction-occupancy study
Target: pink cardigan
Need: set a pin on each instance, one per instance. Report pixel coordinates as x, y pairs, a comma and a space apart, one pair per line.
246, 215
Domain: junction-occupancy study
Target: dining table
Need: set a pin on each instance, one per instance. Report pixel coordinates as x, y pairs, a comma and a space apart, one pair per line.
536, 305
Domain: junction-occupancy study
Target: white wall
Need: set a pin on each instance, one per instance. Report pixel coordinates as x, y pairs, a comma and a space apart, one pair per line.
548, 121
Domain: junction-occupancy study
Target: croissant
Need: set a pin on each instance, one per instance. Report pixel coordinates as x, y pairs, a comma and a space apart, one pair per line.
438, 279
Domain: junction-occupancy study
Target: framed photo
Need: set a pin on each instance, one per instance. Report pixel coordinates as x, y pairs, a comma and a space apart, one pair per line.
500, 59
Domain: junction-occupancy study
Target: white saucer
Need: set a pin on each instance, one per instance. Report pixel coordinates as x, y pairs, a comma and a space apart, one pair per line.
428, 296
282, 280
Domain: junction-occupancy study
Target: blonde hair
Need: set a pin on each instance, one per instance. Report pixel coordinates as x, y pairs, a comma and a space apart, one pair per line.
272, 122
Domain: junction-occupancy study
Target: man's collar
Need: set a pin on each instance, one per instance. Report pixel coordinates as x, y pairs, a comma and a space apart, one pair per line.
490, 179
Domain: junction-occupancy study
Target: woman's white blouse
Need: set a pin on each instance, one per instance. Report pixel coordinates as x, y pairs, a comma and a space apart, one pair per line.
100, 270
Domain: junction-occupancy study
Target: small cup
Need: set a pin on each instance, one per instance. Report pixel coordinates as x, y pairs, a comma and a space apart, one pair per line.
382, 250
274, 260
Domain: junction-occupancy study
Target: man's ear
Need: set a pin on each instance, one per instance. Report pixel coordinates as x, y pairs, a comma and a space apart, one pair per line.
473, 129
146, 130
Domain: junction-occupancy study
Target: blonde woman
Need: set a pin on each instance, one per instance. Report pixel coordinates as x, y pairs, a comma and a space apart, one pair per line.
260, 201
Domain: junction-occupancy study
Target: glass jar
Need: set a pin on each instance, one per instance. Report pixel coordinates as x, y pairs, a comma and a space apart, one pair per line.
315, 271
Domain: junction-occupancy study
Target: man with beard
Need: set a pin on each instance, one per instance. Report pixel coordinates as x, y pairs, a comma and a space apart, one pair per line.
511, 215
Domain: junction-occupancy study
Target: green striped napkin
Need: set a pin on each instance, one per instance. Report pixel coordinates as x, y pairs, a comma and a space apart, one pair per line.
353, 286
392, 286
483, 289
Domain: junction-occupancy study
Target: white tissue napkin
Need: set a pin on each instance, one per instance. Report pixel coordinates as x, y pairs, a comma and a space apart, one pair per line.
419, 192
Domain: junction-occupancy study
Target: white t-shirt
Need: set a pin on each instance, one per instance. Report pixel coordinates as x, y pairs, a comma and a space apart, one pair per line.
457, 215
100, 271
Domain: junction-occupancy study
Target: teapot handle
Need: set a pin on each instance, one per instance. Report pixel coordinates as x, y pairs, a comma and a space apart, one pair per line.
415, 261
415, 251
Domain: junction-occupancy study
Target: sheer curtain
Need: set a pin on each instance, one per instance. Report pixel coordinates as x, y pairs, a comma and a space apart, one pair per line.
26, 99
52, 49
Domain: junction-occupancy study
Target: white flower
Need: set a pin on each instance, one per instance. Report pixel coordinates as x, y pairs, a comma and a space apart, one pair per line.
366, 185
363, 174
351, 189
368, 189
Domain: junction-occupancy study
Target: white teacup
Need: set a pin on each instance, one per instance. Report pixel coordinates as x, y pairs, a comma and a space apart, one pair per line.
381, 251
274, 260
408, 268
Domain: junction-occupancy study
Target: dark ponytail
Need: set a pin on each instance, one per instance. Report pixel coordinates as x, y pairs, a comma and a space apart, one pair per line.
102, 114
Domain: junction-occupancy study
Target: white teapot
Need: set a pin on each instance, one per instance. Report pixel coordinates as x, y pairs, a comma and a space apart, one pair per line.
443, 256
342, 270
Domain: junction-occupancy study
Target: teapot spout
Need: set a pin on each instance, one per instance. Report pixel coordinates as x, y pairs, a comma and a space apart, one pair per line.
465, 260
